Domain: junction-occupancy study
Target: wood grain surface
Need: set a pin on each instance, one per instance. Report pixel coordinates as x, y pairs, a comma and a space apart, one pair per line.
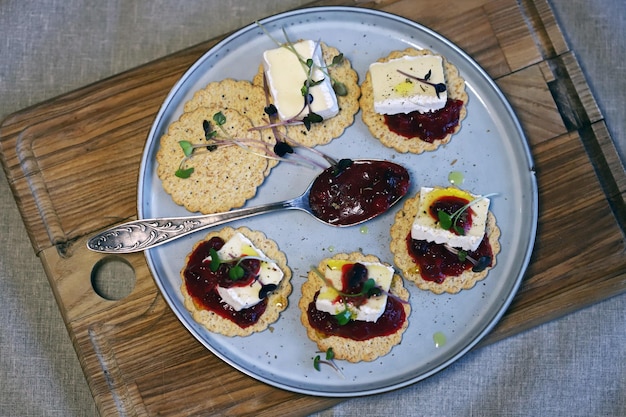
72, 163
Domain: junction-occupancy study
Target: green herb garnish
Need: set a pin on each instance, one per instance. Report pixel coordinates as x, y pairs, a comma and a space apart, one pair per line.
235, 271
449, 221
215, 260
343, 317
310, 67
329, 360
369, 289
222, 138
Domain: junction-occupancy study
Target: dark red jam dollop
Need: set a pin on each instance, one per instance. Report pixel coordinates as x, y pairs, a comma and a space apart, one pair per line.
428, 126
202, 284
435, 262
451, 204
353, 276
357, 192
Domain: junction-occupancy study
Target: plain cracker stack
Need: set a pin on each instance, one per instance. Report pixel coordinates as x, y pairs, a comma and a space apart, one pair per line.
277, 299
452, 285
344, 348
455, 86
329, 129
222, 179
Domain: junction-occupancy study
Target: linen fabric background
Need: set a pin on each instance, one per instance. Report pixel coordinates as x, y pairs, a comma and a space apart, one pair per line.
573, 366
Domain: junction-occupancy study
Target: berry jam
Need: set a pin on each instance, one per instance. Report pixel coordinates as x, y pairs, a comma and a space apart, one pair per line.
388, 323
429, 126
202, 284
353, 276
451, 204
436, 263
359, 192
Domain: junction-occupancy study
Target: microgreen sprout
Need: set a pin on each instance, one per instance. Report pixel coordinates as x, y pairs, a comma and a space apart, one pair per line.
309, 67
439, 87
341, 166
369, 289
449, 221
235, 271
344, 316
329, 360
339, 87
479, 265
222, 138
284, 144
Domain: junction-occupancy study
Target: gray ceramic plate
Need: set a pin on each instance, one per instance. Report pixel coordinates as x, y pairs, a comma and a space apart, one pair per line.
490, 150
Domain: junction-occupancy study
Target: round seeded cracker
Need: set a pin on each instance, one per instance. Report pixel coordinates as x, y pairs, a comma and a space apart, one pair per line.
277, 299
329, 129
240, 95
223, 178
403, 260
455, 86
344, 348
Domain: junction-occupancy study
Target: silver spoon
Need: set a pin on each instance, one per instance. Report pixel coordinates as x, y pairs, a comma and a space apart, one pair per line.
139, 235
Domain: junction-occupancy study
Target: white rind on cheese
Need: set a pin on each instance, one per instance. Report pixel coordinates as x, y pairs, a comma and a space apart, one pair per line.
425, 227
395, 93
239, 297
369, 311
286, 75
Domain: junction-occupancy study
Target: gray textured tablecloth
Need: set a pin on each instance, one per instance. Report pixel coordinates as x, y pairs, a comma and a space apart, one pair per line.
574, 366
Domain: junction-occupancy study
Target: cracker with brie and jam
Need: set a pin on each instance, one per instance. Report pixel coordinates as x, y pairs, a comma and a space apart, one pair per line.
307, 78
236, 282
445, 239
354, 305
413, 100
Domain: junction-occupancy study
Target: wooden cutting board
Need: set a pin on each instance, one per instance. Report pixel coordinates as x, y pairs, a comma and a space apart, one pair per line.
72, 163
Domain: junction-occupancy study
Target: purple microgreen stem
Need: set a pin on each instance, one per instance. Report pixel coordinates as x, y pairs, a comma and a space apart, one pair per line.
448, 221
329, 361
370, 289
479, 265
285, 142
439, 88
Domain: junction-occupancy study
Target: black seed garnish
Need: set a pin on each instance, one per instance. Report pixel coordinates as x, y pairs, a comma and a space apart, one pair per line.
266, 289
271, 110
282, 148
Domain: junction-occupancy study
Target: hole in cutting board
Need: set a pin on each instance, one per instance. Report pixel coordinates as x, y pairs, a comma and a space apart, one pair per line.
113, 278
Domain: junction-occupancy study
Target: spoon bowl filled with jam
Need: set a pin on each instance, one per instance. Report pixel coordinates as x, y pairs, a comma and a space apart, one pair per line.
347, 193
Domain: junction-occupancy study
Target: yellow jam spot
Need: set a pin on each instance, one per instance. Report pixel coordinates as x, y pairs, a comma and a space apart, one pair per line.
438, 193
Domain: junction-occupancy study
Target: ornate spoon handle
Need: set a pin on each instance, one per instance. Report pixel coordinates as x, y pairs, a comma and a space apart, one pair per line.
138, 235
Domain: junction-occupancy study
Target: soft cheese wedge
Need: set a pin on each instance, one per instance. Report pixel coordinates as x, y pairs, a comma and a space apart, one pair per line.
286, 74
328, 299
426, 227
239, 297
396, 93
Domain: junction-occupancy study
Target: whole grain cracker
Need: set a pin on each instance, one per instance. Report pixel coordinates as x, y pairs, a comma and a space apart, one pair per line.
452, 285
455, 86
329, 129
277, 299
240, 95
223, 178
344, 348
